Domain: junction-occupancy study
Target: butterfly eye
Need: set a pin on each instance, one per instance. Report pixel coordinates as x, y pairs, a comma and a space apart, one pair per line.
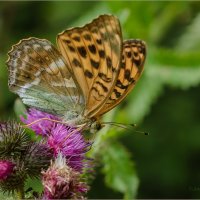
98, 126
95, 126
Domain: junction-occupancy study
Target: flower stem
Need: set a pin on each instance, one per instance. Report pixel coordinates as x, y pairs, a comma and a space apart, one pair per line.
20, 193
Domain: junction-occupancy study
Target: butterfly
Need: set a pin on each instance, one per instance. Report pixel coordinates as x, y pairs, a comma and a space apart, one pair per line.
90, 73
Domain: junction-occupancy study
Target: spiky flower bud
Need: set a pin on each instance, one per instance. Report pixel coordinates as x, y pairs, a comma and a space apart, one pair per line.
13, 140
62, 182
36, 158
15, 181
28, 157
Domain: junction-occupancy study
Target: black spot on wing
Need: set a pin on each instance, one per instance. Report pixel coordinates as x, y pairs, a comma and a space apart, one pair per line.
67, 41
88, 74
87, 37
102, 53
99, 41
71, 48
136, 61
94, 63
76, 38
92, 48
131, 80
120, 85
123, 65
103, 86
76, 63
108, 62
143, 50
127, 74
128, 54
117, 94
82, 51
104, 77
93, 88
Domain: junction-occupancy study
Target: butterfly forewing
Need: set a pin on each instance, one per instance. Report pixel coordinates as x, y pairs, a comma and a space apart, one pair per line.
93, 53
38, 74
132, 64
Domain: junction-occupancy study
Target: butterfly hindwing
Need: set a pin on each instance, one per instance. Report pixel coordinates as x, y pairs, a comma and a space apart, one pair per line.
132, 64
93, 53
38, 74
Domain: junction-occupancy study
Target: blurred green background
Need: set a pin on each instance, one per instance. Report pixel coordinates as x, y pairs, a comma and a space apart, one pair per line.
165, 102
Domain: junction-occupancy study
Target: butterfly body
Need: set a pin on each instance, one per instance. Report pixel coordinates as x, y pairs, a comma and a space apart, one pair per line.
75, 120
91, 72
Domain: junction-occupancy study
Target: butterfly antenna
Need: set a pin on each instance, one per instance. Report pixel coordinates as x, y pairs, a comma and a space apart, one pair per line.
125, 126
41, 119
121, 124
77, 128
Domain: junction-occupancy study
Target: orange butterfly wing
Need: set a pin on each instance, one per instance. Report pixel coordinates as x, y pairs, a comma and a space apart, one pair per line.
93, 53
131, 68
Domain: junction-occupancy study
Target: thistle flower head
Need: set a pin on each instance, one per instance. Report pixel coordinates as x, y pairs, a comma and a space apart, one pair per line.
70, 143
16, 178
62, 182
36, 158
28, 157
63, 178
42, 127
13, 140
6, 168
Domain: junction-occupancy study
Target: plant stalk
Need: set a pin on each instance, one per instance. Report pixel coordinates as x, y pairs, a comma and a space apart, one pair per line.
20, 193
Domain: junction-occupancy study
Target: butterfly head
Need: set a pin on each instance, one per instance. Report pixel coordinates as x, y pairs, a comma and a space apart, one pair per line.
95, 126
88, 124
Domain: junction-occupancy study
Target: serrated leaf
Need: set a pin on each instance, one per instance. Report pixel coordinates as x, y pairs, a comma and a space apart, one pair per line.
172, 58
190, 40
176, 76
165, 20
119, 170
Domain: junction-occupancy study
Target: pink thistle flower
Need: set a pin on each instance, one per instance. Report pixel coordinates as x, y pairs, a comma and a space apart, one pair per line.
60, 138
62, 182
71, 144
42, 127
6, 168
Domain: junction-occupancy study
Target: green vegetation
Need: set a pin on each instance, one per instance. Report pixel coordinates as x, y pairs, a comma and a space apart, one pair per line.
165, 102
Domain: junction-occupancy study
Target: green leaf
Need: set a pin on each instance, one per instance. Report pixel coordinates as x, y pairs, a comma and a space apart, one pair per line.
170, 58
165, 20
119, 170
190, 40
19, 108
183, 78
35, 184
7, 196
144, 95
